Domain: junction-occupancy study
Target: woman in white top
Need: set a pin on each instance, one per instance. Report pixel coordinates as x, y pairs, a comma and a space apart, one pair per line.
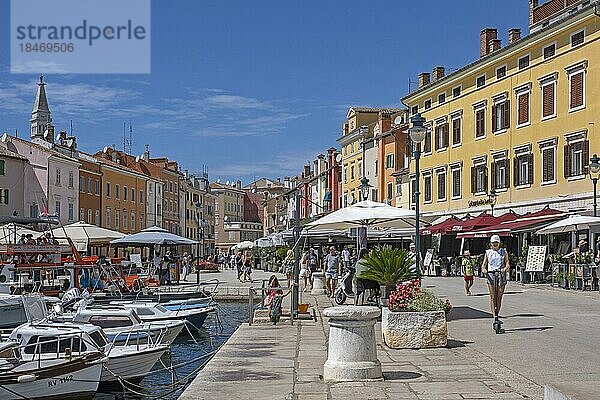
495, 263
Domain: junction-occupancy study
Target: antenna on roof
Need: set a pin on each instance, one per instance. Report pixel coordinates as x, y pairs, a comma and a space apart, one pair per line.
127, 141
410, 83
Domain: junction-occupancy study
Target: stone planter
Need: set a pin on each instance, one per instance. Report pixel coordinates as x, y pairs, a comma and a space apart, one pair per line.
414, 330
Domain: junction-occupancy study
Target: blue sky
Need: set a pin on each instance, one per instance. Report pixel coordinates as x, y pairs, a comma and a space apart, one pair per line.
254, 89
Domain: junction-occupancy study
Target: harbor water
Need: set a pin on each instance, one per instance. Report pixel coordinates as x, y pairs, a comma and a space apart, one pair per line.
190, 354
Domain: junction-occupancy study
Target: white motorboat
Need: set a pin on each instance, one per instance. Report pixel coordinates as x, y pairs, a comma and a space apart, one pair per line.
50, 364
130, 361
194, 313
122, 324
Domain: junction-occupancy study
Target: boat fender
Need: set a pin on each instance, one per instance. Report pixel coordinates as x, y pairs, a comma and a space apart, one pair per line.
26, 378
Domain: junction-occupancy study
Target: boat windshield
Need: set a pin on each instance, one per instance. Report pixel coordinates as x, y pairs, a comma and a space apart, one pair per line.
110, 321
48, 344
98, 338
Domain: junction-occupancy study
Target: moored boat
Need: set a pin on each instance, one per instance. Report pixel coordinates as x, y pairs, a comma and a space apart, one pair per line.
54, 364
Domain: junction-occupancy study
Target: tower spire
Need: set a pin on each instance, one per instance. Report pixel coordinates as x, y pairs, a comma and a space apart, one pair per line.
41, 121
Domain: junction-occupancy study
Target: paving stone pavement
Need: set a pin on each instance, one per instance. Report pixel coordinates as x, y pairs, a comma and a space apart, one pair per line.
286, 362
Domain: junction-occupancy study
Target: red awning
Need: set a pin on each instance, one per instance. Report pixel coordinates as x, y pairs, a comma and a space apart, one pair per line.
440, 227
527, 221
481, 221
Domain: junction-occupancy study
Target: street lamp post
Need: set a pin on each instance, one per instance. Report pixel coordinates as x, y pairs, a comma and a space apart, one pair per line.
417, 134
493, 198
594, 171
296, 289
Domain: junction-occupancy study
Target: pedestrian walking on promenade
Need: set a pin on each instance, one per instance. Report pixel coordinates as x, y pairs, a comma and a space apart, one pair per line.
239, 262
332, 266
467, 271
346, 256
495, 266
288, 265
304, 271
247, 266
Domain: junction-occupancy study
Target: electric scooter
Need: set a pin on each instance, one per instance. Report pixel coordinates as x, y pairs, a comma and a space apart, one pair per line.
497, 325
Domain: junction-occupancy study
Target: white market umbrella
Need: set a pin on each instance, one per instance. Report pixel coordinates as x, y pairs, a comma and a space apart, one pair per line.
153, 235
573, 223
243, 245
84, 235
367, 214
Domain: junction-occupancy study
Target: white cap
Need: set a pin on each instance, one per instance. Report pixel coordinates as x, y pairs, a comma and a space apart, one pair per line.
495, 239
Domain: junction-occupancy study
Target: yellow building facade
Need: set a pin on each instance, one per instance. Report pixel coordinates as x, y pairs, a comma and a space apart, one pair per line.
522, 120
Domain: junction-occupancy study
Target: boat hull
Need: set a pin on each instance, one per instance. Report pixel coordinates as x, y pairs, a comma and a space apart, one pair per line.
131, 365
79, 382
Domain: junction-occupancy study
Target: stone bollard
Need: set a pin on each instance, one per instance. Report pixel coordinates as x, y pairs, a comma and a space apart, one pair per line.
352, 354
318, 286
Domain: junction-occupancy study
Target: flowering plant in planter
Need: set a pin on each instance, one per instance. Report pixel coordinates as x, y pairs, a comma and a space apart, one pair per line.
401, 298
409, 296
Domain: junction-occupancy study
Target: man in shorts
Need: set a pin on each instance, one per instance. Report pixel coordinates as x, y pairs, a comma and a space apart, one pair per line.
332, 266
467, 271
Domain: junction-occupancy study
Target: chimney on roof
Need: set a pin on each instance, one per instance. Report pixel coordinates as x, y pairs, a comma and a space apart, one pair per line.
114, 156
532, 5
424, 79
486, 36
306, 171
146, 155
438, 73
495, 45
514, 35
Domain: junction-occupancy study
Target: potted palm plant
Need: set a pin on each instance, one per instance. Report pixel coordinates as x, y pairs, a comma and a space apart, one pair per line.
388, 266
